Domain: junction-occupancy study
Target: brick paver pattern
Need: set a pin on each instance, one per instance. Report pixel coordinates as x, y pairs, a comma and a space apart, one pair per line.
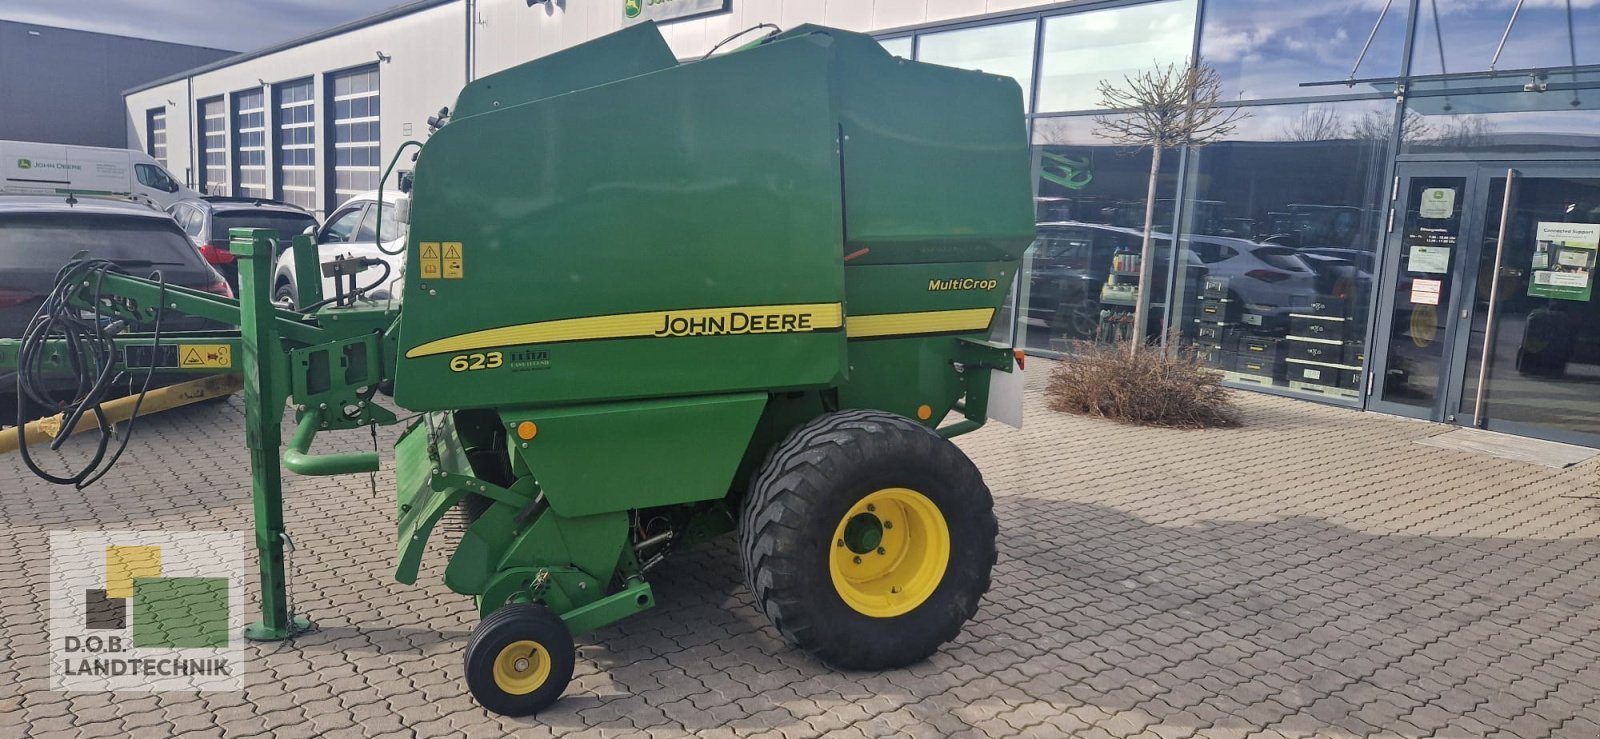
1315, 573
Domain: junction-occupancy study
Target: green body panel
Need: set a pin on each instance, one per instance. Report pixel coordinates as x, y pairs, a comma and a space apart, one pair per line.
611, 457
936, 160
899, 373
712, 185
627, 53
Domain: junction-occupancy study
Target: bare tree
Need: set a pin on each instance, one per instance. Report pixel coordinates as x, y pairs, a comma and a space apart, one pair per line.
1377, 125
1162, 108
1316, 123
1464, 132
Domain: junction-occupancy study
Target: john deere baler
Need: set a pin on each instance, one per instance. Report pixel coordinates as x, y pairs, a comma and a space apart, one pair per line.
648, 303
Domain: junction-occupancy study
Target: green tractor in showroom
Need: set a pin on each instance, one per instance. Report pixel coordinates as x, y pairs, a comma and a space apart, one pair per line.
648, 303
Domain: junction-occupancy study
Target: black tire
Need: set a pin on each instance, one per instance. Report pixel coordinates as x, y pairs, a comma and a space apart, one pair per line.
809, 484
497, 634
284, 295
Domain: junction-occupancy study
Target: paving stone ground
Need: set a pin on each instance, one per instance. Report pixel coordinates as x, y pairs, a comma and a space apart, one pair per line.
1315, 573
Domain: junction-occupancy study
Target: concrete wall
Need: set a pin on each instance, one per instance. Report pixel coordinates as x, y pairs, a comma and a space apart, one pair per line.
62, 86
429, 58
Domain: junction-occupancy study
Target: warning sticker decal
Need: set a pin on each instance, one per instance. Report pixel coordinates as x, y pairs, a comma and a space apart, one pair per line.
452, 260
205, 356
430, 259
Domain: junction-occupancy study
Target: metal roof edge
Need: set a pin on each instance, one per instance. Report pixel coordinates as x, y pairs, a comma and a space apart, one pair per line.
398, 11
129, 37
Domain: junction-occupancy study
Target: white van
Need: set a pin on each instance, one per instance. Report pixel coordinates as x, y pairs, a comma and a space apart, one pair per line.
48, 169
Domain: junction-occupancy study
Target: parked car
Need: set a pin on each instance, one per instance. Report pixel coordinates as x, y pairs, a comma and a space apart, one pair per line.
207, 221
353, 231
1071, 261
39, 235
52, 169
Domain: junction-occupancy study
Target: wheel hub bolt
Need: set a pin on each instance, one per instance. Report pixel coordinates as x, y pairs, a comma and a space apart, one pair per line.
881, 551
871, 508
841, 542
858, 560
522, 664
888, 524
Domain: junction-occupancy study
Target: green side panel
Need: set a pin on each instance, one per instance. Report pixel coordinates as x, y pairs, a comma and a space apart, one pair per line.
898, 372
421, 503
637, 454
936, 160
496, 543
712, 185
627, 53
592, 544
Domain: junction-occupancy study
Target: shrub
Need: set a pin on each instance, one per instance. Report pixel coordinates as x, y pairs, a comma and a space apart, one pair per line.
1152, 387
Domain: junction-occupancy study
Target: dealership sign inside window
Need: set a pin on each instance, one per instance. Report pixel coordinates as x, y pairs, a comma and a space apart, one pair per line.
663, 10
1564, 260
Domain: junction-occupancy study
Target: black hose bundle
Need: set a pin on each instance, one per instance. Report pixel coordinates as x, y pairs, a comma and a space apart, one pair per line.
88, 337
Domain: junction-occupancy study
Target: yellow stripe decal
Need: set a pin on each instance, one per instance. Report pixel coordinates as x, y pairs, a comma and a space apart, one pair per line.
756, 319
922, 322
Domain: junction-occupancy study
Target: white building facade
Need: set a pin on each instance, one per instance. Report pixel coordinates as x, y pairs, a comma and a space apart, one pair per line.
312, 121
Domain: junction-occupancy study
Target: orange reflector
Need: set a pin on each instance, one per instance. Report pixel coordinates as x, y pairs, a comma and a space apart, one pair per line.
527, 430
924, 412
1021, 363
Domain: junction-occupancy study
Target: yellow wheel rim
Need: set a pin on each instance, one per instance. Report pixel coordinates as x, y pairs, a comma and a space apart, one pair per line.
889, 552
521, 667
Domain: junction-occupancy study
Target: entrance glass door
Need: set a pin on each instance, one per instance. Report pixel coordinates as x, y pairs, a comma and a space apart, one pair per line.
1416, 311
1515, 349
1541, 321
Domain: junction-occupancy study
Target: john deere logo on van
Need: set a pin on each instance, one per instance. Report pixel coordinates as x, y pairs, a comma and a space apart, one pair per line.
25, 163
631, 8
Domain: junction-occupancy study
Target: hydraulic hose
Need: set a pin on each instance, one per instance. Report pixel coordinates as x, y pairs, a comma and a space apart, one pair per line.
91, 353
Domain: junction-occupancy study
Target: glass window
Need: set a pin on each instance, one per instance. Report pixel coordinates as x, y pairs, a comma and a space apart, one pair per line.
1281, 221
147, 175
40, 239
213, 147
1082, 50
341, 226
1004, 49
1080, 277
1462, 36
288, 225
250, 144
900, 47
297, 143
1554, 121
355, 133
194, 221
156, 134
1268, 48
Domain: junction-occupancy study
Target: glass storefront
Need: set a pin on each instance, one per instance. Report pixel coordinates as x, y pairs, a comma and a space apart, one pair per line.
1316, 229
1272, 49
1279, 236
1080, 277
1082, 50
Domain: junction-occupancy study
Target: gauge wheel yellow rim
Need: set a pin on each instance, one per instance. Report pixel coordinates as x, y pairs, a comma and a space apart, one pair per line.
521, 667
889, 552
